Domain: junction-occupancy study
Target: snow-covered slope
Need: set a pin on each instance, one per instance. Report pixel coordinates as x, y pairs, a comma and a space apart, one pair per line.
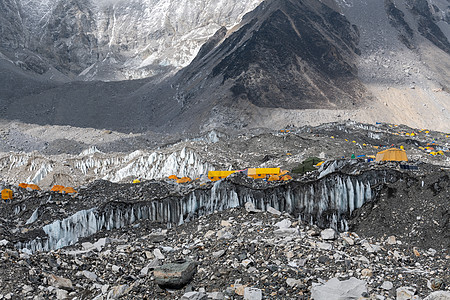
115, 39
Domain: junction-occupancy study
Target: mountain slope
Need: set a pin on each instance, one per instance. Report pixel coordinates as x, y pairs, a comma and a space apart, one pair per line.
287, 63
289, 54
115, 39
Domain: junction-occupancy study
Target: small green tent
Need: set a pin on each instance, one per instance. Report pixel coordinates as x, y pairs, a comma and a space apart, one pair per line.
307, 165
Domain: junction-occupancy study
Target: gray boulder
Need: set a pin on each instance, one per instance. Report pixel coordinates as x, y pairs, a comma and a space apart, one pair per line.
175, 275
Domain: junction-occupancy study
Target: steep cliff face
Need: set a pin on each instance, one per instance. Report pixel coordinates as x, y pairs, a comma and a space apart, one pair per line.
117, 40
11, 26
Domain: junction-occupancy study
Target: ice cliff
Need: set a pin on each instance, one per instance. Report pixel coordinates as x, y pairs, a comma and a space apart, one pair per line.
327, 202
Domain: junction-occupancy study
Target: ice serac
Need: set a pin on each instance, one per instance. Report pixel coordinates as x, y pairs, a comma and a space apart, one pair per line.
327, 202
92, 163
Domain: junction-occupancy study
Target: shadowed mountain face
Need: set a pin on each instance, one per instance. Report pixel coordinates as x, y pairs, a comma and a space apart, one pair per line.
289, 54
285, 56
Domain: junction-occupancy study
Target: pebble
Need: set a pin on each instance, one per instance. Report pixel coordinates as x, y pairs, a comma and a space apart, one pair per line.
391, 240
366, 273
157, 253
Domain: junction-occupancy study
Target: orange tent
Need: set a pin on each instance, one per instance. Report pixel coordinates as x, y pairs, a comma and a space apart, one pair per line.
274, 178
68, 190
184, 180
283, 172
57, 188
392, 154
31, 186
286, 178
23, 185
173, 177
34, 187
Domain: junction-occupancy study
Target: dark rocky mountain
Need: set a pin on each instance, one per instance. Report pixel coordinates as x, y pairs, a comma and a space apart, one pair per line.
287, 63
287, 54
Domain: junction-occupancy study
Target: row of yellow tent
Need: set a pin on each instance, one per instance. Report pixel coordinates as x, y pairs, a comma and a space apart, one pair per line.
279, 178
274, 174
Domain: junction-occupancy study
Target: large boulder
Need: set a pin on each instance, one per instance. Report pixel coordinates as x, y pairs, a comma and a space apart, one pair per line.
334, 289
175, 275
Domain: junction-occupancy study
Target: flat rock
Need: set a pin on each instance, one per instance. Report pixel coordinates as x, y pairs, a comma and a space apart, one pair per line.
334, 289
391, 240
286, 223
252, 294
439, 295
60, 282
90, 275
405, 293
61, 294
157, 253
250, 208
118, 291
387, 285
273, 211
324, 246
328, 234
193, 296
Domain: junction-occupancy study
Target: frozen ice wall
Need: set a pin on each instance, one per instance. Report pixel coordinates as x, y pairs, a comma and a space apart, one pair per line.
115, 167
326, 202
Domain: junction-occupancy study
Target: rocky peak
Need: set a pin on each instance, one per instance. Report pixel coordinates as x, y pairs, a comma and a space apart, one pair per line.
286, 54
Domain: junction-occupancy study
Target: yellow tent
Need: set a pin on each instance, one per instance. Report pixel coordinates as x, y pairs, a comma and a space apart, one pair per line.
7, 194
136, 181
392, 154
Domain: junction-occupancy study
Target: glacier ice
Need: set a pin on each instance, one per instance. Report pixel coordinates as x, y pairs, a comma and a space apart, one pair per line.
33, 217
113, 167
327, 202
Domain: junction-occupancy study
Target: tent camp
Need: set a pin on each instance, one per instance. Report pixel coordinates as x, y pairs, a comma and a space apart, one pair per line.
307, 165
392, 154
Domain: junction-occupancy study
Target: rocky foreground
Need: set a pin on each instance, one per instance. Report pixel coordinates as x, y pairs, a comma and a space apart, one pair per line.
228, 255
238, 238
